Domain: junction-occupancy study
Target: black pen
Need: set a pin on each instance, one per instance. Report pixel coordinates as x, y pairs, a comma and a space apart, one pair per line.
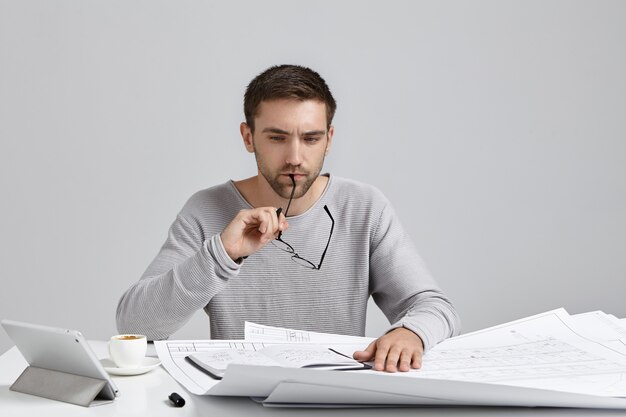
201, 368
364, 367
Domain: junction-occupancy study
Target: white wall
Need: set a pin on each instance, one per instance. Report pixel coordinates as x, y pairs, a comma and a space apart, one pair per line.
497, 128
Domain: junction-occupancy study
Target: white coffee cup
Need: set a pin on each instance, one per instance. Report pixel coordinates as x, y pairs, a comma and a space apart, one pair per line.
128, 350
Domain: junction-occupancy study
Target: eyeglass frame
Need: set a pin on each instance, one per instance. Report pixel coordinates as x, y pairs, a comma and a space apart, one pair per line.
295, 255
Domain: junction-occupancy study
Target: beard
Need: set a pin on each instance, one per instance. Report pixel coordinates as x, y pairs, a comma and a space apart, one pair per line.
283, 189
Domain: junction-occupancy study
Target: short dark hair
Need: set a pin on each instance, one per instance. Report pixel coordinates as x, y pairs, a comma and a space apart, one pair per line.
287, 81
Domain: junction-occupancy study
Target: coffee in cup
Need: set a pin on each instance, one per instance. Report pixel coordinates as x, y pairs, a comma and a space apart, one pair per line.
128, 350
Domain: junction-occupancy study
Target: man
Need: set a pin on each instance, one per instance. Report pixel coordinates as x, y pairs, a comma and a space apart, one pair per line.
290, 247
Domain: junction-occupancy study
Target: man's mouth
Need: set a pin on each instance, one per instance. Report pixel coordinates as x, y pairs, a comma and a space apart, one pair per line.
296, 175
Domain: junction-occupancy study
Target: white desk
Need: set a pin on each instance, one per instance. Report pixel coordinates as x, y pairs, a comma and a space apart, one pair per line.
146, 395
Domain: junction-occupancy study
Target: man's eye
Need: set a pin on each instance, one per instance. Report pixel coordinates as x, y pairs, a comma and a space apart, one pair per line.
276, 138
312, 139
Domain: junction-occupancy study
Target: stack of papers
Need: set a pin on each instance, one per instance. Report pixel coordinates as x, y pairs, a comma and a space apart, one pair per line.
551, 359
215, 362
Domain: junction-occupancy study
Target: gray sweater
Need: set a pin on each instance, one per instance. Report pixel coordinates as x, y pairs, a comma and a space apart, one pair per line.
369, 254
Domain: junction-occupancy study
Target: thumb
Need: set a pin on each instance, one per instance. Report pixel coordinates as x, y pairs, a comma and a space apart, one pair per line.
367, 354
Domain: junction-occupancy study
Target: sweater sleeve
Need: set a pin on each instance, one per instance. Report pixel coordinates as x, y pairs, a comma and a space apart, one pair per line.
404, 289
184, 276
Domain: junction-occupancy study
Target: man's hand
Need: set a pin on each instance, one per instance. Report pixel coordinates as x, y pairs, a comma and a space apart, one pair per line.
398, 350
250, 230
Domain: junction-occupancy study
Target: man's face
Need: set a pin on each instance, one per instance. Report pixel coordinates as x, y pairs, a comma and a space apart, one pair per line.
290, 137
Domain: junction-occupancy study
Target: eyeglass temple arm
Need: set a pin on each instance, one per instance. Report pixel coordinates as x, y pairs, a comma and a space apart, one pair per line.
332, 227
293, 190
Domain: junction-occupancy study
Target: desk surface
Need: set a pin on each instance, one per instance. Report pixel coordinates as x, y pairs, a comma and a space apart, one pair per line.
147, 395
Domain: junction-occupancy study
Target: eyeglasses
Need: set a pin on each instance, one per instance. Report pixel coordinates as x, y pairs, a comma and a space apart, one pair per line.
286, 247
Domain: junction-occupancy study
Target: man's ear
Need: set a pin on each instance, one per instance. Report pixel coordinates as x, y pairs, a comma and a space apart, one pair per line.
246, 135
331, 132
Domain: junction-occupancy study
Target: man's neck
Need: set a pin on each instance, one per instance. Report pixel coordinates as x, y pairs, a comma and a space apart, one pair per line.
259, 193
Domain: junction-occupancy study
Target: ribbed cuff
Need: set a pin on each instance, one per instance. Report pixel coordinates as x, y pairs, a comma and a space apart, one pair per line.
420, 323
215, 247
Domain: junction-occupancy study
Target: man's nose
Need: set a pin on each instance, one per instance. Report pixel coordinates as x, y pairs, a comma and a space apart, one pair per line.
294, 156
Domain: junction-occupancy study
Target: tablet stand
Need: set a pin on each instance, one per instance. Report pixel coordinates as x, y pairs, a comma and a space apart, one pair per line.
61, 386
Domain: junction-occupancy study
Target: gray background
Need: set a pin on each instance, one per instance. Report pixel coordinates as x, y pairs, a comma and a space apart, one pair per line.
495, 127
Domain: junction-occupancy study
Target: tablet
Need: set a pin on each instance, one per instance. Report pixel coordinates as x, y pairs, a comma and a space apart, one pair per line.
61, 350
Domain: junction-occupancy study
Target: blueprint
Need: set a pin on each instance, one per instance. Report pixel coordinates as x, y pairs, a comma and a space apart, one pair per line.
529, 360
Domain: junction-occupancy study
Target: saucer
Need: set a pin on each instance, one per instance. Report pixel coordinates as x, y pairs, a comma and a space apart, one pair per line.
147, 364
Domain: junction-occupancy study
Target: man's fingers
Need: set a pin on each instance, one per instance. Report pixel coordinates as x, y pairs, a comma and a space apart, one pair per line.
261, 220
416, 362
382, 349
282, 223
367, 354
267, 223
271, 224
275, 223
250, 230
361, 355
398, 350
404, 365
393, 358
